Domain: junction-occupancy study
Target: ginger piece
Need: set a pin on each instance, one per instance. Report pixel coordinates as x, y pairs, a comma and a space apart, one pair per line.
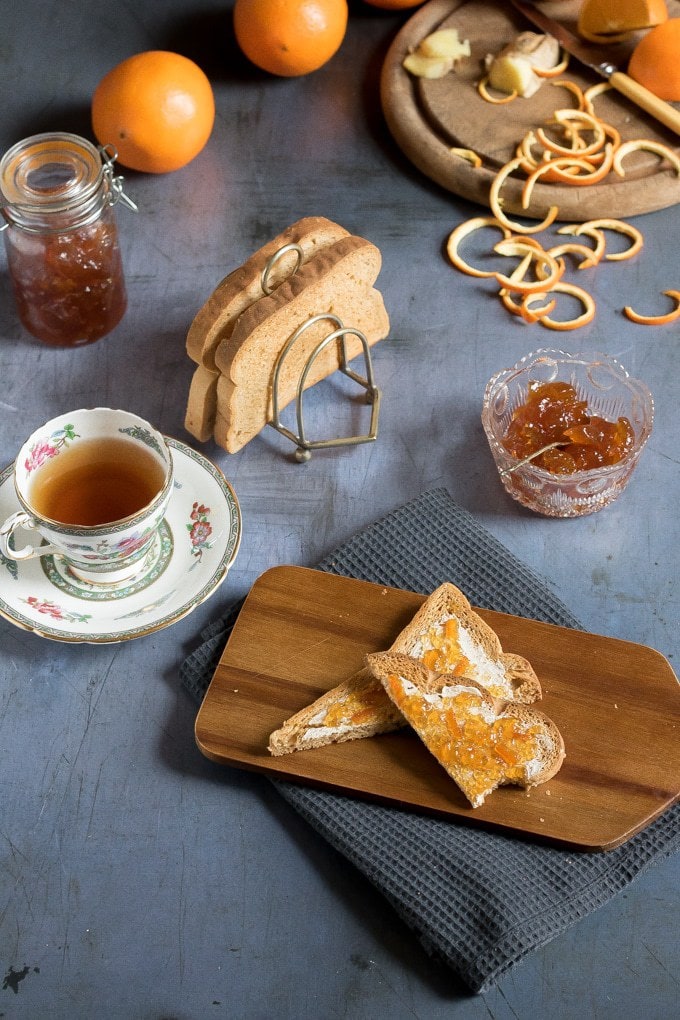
513, 69
437, 54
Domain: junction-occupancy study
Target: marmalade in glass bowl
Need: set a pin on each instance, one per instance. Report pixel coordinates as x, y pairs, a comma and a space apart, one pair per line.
566, 430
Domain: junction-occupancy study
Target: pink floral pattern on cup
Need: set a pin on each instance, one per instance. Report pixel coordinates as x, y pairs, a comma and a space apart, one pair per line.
45, 449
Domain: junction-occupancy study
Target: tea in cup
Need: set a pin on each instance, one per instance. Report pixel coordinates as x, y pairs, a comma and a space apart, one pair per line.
95, 485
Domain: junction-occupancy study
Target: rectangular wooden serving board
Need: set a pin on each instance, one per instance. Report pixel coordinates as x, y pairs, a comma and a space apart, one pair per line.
301, 632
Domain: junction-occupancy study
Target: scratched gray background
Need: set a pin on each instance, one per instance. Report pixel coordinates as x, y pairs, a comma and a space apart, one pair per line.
137, 879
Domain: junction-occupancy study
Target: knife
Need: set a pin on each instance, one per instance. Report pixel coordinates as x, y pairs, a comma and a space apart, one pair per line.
597, 60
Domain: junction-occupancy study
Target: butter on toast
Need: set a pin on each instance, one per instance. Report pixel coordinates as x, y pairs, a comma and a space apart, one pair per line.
448, 637
337, 281
481, 741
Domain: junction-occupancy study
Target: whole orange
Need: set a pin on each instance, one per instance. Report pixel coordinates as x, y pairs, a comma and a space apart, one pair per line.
290, 37
156, 108
654, 61
395, 5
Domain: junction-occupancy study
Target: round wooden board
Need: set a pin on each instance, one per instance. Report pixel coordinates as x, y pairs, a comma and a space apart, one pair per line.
428, 117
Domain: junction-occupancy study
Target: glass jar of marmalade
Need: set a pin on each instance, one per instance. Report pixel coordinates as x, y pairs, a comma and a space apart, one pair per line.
57, 193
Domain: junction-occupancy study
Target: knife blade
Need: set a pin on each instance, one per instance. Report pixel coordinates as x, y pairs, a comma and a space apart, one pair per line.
597, 60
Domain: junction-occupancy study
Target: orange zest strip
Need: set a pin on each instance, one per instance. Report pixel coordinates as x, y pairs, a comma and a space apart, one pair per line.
495, 202
566, 170
648, 146
530, 314
588, 255
586, 316
621, 228
553, 72
579, 229
553, 270
469, 155
460, 232
482, 88
657, 320
572, 87
509, 302
594, 91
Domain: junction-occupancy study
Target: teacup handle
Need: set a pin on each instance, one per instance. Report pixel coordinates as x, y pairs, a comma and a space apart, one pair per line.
21, 520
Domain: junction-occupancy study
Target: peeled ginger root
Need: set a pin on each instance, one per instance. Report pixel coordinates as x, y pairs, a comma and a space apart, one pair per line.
437, 54
512, 70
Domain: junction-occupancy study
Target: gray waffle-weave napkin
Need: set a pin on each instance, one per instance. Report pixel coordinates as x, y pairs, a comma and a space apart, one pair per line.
479, 901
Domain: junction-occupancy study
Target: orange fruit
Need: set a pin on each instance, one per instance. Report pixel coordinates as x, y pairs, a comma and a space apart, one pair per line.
654, 61
156, 108
395, 5
290, 37
617, 18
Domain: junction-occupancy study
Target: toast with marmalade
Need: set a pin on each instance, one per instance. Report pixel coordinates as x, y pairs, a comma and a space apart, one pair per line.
481, 741
447, 637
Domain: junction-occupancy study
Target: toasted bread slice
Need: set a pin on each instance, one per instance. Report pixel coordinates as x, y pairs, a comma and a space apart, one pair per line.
481, 741
216, 319
243, 286
338, 281
357, 708
202, 404
449, 637
445, 634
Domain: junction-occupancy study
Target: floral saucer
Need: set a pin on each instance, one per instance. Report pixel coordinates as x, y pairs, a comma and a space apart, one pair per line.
196, 544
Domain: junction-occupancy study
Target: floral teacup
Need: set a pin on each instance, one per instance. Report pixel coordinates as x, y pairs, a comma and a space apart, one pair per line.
95, 485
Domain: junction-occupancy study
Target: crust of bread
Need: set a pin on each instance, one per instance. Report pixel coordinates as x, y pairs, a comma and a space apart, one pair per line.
243, 286
338, 281
306, 729
522, 683
199, 419
515, 677
216, 319
428, 699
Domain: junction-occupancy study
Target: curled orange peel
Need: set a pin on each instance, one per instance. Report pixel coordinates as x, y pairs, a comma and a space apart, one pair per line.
555, 71
469, 155
646, 144
482, 88
588, 255
495, 202
581, 295
657, 320
566, 169
461, 232
546, 264
530, 314
619, 227
581, 229
571, 86
591, 93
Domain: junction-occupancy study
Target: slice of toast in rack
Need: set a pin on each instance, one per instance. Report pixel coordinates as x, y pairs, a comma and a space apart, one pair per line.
338, 282
448, 637
216, 318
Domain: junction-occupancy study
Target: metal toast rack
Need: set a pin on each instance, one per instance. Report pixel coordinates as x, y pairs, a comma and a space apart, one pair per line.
337, 335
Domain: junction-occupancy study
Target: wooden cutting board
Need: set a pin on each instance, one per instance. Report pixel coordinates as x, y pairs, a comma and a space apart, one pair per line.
302, 631
427, 117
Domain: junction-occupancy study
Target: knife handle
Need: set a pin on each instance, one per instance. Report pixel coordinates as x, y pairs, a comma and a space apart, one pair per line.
646, 100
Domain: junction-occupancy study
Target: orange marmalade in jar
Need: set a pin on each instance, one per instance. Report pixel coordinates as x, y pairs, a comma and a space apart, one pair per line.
61, 238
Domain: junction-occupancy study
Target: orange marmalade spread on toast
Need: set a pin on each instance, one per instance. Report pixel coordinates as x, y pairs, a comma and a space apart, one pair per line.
459, 727
447, 648
356, 708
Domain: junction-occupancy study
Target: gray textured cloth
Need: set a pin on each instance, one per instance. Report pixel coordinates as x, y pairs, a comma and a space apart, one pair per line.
479, 901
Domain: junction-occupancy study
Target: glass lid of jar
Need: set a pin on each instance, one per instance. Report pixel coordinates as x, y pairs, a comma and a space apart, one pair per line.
53, 172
